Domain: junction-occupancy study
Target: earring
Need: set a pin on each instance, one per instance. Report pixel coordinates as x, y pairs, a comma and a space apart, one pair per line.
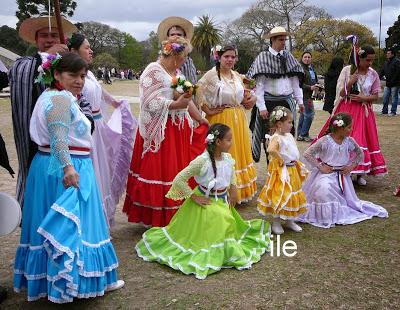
175, 62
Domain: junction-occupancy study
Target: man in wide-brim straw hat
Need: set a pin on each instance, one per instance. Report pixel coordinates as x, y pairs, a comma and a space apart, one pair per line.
278, 76
175, 26
43, 32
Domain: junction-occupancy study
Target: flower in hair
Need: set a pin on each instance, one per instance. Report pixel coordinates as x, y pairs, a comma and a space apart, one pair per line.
278, 114
46, 69
214, 52
361, 52
211, 137
173, 48
338, 123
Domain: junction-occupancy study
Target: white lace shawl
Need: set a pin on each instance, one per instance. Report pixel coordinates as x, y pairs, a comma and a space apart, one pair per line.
214, 92
155, 98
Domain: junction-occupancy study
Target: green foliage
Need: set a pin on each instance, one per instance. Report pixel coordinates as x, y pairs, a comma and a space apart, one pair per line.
206, 35
29, 8
131, 54
10, 40
393, 38
105, 60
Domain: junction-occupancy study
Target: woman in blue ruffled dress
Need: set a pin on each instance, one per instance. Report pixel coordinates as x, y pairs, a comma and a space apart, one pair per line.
65, 250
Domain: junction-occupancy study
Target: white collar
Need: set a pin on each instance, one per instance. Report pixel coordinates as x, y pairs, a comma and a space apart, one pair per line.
273, 52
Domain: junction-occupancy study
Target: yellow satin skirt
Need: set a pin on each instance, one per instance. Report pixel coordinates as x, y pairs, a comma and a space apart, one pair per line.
240, 150
282, 195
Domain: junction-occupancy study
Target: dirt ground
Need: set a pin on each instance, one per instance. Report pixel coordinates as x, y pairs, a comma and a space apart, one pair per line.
346, 267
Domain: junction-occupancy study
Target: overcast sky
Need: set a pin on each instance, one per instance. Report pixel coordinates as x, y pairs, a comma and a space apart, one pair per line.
140, 17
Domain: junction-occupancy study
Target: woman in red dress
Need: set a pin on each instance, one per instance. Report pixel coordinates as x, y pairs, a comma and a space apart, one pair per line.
166, 141
359, 106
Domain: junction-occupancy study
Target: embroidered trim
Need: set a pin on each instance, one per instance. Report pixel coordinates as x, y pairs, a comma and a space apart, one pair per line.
69, 215
135, 175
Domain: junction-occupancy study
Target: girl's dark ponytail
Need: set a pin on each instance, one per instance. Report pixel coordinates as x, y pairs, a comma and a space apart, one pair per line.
217, 131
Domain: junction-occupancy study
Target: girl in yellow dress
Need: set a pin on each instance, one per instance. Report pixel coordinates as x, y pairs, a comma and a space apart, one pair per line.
221, 95
282, 196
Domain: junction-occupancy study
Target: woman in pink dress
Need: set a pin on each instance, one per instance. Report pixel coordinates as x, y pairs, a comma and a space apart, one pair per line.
359, 106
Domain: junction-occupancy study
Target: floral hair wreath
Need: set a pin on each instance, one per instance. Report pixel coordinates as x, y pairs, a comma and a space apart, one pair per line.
211, 137
46, 69
278, 114
174, 48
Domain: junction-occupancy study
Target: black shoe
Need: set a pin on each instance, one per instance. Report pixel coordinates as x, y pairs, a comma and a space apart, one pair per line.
308, 139
300, 138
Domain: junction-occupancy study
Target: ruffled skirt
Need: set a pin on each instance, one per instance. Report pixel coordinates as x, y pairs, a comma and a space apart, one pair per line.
150, 177
365, 133
111, 154
282, 195
328, 206
240, 150
65, 249
201, 241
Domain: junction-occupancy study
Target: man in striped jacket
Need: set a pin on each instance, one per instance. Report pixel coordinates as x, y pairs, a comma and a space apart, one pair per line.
42, 32
278, 83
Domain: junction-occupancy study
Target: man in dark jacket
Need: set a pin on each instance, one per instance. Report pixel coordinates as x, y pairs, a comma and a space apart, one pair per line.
391, 71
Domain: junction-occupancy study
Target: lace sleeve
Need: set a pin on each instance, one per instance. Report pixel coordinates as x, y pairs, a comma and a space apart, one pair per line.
311, 154
209, 91
180, 188
357, 153
155, 98
273, 148
58, 116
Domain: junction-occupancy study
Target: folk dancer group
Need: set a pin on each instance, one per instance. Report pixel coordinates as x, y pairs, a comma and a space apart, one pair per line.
185, 172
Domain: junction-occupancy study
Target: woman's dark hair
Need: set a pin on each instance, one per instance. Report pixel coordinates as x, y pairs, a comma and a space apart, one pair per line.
306, 52
75, 41
365, 51
345, 117
335, 67
220, 53
69, 62
272, 116
219, 131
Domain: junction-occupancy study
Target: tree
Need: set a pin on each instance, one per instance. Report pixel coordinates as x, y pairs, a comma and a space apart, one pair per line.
29, 8
293, 12
131, 54
326, 38
151, 47
393, 32
206, 35
10, 40
252, 25
105, 60
103, 38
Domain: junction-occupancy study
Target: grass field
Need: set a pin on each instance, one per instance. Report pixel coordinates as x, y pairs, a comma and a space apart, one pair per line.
346, 267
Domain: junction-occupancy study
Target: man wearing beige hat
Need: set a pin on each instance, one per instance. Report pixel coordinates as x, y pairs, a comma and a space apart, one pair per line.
278, 76
175, 26
43, 32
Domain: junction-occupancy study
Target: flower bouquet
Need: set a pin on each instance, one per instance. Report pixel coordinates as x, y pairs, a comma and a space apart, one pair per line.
182, 86
249, 85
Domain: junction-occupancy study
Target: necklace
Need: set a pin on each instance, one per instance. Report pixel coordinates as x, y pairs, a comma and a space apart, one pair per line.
165, 68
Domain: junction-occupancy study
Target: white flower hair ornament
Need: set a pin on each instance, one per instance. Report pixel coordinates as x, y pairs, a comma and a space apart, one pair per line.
278, 114
338, 123
211, 137
360, 52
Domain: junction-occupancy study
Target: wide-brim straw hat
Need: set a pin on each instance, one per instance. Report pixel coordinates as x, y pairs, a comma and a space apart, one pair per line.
29, 27
276, 31
171, 21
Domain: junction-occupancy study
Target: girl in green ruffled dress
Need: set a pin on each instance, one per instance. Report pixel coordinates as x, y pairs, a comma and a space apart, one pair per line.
207, 233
